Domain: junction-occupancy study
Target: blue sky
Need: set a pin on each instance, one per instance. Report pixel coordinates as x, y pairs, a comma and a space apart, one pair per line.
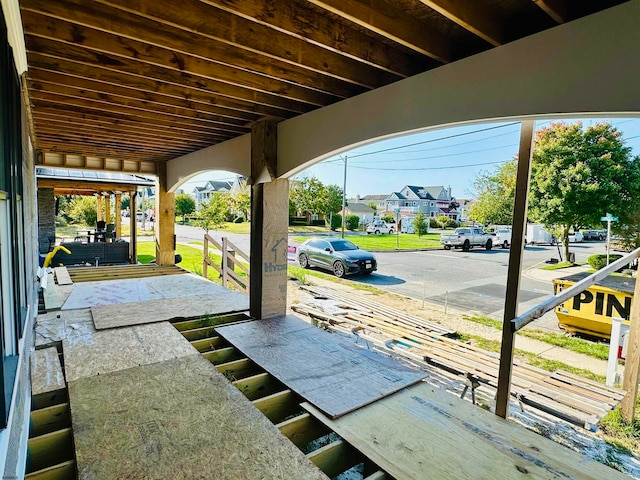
449, 157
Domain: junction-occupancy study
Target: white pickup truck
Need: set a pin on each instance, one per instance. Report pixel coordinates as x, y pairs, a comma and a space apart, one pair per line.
466, 238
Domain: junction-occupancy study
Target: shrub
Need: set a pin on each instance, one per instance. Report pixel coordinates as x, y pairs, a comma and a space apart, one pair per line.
433, 223
336, 221
352, 222
83, 210
599, 261
318, 223
389, 218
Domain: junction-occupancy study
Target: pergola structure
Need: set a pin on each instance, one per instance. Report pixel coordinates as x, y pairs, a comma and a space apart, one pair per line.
105, 186
267, 88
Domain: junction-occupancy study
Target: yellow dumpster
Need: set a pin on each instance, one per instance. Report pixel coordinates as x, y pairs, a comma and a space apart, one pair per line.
590, 312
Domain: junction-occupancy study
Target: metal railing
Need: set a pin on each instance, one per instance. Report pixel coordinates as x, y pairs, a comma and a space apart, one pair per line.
522, 320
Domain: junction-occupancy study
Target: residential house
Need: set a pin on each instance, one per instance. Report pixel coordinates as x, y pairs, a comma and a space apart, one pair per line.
433, 201
380, 201
364, 212
203, 194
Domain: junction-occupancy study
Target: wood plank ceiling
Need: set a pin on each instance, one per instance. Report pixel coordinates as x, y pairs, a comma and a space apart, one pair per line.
150, 80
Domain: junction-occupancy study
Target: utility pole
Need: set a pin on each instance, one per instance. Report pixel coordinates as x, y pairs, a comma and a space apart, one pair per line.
344, 193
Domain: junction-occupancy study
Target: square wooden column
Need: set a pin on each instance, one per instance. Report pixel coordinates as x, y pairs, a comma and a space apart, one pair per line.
99, 207
133, 236
107, 208
165, 221
118, 214
269, 226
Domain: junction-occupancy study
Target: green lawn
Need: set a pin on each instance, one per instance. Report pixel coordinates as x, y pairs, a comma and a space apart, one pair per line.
191, 258
403, 241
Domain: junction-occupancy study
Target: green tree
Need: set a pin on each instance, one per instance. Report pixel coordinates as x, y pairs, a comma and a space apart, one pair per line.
185, 205
214, 213
443, 221
579, 174
83, 210
125, 201
241, 199
495, 194
420, 225
310, 195
373, 206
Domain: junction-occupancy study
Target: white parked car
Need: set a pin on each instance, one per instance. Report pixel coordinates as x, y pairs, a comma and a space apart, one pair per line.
377, 227
576, 237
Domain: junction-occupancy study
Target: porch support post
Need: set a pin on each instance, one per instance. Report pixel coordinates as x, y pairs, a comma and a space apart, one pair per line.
632, 363
133, 250
269, 225
515, 267
165, 219
99, 207
107, 208
118, 213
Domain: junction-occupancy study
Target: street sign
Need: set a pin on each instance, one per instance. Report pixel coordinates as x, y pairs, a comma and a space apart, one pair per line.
609, 218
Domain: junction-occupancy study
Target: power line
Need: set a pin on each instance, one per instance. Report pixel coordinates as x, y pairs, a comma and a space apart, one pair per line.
431, 168
439, 156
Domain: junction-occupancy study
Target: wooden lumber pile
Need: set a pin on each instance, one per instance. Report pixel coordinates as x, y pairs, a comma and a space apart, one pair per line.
375, 313
95, 274
569, 397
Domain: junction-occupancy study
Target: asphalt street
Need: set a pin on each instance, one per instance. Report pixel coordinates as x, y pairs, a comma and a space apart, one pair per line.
474, 281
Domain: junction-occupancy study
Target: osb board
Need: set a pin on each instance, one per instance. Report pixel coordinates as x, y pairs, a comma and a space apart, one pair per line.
215, 303
46, 372
176, 419
326, 369
62, 276
425, 432
108, 351
132, 290
52, 300
70, 325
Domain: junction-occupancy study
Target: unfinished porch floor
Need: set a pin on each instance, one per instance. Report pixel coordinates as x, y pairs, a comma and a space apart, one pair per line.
146, 404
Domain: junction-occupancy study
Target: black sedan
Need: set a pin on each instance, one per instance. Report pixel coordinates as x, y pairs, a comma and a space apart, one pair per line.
340, 256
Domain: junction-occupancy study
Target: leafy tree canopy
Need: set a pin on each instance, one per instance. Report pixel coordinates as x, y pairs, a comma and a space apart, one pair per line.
420, 225
495, 194
579, 174
213, 213
185, 204
310, 194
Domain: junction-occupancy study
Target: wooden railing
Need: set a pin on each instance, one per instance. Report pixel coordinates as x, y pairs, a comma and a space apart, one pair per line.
227, 268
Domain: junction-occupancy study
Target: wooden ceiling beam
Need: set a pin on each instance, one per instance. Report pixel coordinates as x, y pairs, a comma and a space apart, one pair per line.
297, 18
296, 34
38, 98
73, 39
153, 32
91, 144
386, 20
110, 100
53, 128
66, 122
556, 9
473, 16
102, 150
156, 86
78, 114
147, 98
127, 67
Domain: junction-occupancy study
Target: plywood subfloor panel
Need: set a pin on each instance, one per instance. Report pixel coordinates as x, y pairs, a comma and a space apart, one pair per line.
176, 419
46, 371
62, 276
52, 300
326, 369
132, 290
101, 352
217, 302
425, 432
